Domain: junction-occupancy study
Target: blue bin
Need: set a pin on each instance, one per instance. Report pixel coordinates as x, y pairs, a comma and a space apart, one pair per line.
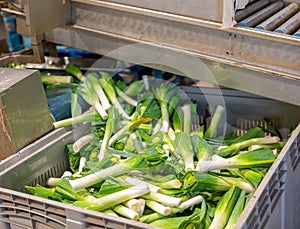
14, 42
26, 41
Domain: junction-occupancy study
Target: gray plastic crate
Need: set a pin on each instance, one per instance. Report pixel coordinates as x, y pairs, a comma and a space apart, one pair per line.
275, 204
35, 164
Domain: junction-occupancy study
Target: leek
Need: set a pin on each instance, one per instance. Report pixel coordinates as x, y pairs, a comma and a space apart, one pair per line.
171, 184
89, 95
190, 221
133, 204
240, 183
178, 120
126, 98
125, 129
234, 148
92, 116
173, 104
143, 205
147, 107
252, 176
82, 163
151, 217
109, 129
126, 212
253, 159
109, 88
224, 208
159, 208
202, 150
183, 206
164, 182
213, 126
189, 111
189, 203
52, 79
41, 191
164, 199
145, 158
101, 175
135, 88
105, 202
75, 106
199, 182
75, 71
136, 182
237, 211
255, 132
163, 93
277, 145
137, 141
82, 141
62, 190
92, 77
185, 149
169, 223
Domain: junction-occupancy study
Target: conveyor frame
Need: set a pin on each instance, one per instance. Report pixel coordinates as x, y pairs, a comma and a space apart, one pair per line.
259, 62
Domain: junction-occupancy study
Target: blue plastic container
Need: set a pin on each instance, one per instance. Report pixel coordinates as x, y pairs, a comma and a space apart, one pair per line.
10, 26
71, 52
297, 33
26, 41
14, 42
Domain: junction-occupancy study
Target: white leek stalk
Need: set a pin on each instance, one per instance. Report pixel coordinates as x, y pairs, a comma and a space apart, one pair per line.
98, 176
171, 184
171, 134
99, 91
133, 204
159, 208
126, 212
233, 148
66, 174
126, 98
143, 205
52, 181
109, 129
113, 199
82, 163
115, 170
100, 110
186, 118
185, 149
256, 158
83, 141
183, 206
108, 87
164, 199
157, 126
189, 203
137, 182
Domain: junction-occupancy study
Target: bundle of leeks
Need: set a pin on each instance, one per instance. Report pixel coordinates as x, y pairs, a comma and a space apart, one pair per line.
143, 160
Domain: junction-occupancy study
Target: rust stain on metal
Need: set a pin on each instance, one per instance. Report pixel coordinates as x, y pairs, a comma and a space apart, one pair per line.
4, 124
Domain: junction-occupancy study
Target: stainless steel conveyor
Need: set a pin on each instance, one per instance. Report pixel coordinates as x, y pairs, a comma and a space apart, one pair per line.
247, 59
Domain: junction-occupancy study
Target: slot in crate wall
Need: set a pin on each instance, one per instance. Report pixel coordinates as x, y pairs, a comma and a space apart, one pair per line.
271, 206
